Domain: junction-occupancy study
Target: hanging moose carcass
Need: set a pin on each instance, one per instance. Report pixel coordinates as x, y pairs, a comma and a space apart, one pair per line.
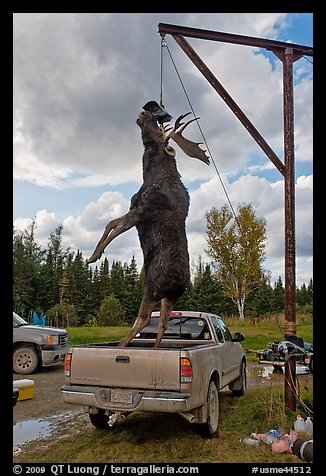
158, 211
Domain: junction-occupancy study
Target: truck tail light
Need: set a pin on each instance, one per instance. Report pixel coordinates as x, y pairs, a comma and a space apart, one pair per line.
185, 370
67, 365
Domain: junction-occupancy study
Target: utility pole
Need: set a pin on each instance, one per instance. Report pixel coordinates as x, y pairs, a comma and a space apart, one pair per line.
288, 53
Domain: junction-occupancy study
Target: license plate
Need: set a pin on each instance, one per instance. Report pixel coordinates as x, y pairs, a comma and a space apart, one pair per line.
120, 397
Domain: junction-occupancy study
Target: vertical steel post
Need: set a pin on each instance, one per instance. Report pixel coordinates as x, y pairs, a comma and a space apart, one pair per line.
289, 211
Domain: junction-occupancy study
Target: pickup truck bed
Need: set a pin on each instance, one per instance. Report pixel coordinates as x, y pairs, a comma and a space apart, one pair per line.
183, 375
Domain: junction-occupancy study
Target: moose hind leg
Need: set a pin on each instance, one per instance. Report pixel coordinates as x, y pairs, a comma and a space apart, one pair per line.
166, 308
143, 319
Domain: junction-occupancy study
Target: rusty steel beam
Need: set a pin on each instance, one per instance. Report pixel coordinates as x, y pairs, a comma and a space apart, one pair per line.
164, 28
190, 52
289, 208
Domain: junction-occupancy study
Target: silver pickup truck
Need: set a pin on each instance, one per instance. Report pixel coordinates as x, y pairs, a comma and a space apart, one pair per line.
35, 346
196, 359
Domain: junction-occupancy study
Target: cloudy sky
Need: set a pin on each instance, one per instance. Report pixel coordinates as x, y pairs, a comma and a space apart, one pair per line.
80, 80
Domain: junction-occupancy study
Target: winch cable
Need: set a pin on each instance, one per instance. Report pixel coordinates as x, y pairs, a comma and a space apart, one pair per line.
164, 45
297, 394
161, 73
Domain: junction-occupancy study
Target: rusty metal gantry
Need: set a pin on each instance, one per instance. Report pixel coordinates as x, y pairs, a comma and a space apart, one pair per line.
288, 53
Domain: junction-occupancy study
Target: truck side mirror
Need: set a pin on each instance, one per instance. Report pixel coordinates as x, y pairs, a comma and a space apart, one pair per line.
238, 337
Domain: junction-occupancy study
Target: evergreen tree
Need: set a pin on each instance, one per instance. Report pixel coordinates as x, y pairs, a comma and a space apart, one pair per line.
63, 286
22, 288
80, 288
117, 281
204, 291
104, 279
207, 292
52, 270
278, 296
132, 298
139, 291
261, 299
59, 255
310, 292
95, 292
27, 259
48, 291
304, 296
185, 302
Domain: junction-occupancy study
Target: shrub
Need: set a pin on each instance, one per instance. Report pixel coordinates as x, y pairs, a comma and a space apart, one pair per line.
111, 312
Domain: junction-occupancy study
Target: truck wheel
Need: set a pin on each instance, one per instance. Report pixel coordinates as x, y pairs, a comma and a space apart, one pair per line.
25, 360
210, 427
100, 419
239, 386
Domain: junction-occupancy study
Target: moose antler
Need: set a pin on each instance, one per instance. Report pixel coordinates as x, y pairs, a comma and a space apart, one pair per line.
189, 147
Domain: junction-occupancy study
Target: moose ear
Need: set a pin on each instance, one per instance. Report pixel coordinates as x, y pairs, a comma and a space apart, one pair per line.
158, 112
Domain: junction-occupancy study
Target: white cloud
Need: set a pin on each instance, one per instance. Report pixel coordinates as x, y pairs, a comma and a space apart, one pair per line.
28, 167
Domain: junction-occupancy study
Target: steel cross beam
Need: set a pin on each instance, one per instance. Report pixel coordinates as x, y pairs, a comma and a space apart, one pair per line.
164, 28
288, 53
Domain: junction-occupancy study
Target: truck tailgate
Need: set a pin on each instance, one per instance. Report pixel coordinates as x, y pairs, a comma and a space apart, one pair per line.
142, 368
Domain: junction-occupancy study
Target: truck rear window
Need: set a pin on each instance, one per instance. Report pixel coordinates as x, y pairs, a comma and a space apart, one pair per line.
182, 327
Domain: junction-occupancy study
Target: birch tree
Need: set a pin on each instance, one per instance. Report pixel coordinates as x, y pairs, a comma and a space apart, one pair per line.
237, 247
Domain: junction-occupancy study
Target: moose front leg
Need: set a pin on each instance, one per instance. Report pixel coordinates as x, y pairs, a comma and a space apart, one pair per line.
114, 228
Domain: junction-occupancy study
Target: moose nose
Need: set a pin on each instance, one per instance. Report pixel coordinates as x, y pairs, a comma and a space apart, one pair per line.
159, 113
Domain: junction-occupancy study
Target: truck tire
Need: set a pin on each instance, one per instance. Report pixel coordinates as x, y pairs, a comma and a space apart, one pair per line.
25, 360
210, 427
100, 419
239, 386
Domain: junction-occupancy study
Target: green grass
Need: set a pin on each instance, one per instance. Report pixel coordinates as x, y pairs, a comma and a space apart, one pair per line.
86, 335
168, 438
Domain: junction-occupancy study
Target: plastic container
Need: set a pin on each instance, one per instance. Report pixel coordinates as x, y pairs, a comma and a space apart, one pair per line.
250, 441
309, 426
268, 438
299, 425
26, 388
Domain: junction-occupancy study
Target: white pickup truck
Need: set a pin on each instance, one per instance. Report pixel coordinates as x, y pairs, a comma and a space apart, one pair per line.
196, 359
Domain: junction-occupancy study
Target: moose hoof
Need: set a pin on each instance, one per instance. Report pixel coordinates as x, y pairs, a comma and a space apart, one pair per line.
94, 257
